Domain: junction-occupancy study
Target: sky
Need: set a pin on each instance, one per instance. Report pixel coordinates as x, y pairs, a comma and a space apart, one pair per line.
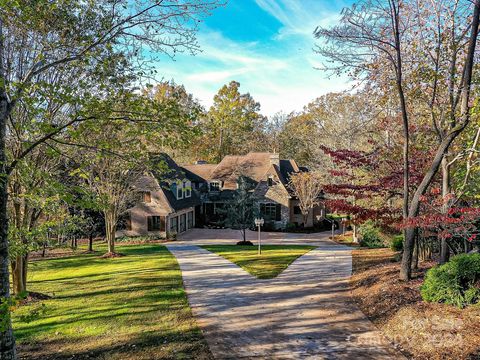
265, 45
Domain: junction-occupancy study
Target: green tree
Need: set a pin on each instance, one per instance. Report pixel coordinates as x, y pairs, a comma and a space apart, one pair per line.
241, 211
233, 123
94, 41
185, 108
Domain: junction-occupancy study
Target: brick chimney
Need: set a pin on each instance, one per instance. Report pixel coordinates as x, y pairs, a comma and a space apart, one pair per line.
275, 159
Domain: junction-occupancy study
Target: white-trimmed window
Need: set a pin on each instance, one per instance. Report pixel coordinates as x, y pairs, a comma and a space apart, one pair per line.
187, 185
214, 185
179, 190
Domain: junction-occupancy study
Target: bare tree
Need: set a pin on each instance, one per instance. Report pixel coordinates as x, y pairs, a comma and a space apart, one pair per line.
307, 188
376, 39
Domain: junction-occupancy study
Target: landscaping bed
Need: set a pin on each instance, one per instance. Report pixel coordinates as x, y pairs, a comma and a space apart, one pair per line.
422, 330
132, 307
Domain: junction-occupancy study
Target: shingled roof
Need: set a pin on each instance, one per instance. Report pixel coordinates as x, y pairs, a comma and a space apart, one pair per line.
254, 165
199, 172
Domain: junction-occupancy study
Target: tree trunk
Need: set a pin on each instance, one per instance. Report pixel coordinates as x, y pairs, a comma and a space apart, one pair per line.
416, 251
7, 341
110, 229
90, 242
19, 274
24, 271
405, 123
354, 233
446, 190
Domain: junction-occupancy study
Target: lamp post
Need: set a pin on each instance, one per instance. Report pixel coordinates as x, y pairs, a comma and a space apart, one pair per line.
333, 227
259, 222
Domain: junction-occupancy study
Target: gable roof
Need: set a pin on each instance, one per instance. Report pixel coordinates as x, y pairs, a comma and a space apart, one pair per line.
253, 165
199, 172
168, 173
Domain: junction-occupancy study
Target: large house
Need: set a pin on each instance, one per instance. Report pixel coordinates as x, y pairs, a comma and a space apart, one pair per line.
270, 175
184, 197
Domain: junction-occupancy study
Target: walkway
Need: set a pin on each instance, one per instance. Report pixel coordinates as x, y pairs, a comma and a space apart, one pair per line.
305, 312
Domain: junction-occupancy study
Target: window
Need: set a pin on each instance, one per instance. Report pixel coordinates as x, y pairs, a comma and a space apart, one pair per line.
270, 181
156, 223
271, 211
187, 185
190, 220
173, 224
147, 196
297, 210
214, 186
179, 191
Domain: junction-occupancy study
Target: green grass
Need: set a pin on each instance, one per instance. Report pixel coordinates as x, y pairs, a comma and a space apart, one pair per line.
133, 307
273, 260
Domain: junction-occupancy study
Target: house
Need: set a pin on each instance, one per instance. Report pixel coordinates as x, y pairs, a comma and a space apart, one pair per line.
216, 184
165, 202
178, 198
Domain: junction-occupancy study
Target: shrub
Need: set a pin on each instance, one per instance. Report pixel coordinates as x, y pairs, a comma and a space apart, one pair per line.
246, 242
290, 227
397, 243
370, 235
455, 283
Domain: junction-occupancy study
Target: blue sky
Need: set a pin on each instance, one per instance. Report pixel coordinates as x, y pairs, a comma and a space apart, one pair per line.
267, 46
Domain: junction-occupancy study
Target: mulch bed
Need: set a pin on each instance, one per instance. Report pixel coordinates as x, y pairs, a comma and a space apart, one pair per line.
111, 255
34, 297
422, 330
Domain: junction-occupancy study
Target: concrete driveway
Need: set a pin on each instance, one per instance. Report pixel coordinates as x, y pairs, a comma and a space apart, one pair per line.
306, 312
230, 237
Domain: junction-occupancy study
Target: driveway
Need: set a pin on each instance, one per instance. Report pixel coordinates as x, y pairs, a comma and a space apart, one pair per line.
230, 237
306, 312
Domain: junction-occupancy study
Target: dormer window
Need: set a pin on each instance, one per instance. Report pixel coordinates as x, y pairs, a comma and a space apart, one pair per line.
179, 191
187, 185
214, 186
270, 180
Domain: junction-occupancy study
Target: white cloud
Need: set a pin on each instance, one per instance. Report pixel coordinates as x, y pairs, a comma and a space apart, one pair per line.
279, 74
301, 17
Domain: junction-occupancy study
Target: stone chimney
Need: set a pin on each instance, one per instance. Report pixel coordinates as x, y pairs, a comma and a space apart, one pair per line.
275, 159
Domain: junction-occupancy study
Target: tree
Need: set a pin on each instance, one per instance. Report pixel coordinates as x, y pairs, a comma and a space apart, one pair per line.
185, 109
241, 211
119, 156
335, 120
111, 179
274, 129
376, 35
298, 139
96, 41
232, 123
307, 188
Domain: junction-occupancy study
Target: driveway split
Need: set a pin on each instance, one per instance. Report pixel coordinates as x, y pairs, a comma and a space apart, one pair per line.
306, 312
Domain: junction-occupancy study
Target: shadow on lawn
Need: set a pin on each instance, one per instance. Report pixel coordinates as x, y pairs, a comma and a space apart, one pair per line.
148, 345
140, 310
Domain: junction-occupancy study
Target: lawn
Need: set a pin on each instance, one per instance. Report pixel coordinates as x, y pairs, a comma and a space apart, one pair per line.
132, 307
273, 260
